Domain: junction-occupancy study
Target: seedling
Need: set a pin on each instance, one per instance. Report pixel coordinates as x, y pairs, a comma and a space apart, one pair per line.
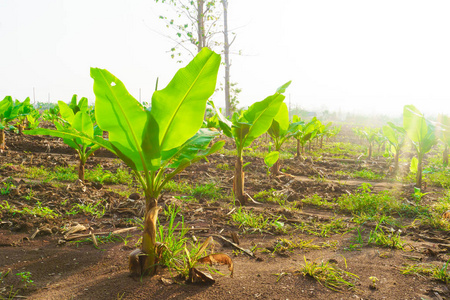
25, 278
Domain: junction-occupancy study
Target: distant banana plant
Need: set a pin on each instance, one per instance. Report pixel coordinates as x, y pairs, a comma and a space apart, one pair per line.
421, 132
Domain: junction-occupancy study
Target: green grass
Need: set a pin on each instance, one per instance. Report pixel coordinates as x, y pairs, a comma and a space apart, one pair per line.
252, 222
90, 209
365, 173
271, 196
329, 275
37, 211
368, 203
440, 273
389, 240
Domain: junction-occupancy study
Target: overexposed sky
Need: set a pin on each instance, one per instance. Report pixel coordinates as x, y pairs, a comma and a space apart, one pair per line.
348, 55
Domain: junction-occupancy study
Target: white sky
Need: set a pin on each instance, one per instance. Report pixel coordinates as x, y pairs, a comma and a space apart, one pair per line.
357, 56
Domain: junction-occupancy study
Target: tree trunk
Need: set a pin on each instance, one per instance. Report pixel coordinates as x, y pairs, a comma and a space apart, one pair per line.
298, 149
2, 139
321, 142
369, 156
81, 170
226, 50
419, 173
445, 156
143, 261
275, 169
200, 25
396, 158
20, 128
238, 184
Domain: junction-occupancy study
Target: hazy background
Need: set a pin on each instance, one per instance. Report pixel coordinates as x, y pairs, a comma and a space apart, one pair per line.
348, 56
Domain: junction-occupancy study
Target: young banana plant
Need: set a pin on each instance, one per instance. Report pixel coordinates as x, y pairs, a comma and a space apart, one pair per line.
445, 136
281, 130
245, 128
303, 134
159, 143
79, 122
395, 136
421, 132
8, 112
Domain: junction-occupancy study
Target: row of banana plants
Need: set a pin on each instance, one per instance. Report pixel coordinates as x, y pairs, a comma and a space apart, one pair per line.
160, 142
421, 132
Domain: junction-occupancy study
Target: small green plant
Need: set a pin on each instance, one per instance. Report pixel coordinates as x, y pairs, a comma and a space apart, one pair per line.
94, 209
256, 222
357, 243
439, 273
25, 278
272, 196
329, 275
391, 240
417, 195
7, 186
40, 211
224, 166
206, 191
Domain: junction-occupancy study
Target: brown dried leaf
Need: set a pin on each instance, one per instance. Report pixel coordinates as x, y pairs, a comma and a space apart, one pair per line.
197, 276
218, 259
446, 215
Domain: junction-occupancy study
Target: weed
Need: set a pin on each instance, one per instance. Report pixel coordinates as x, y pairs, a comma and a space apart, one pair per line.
272, 196
26, 278
96, 210
329, 275
369, 203
223, 166
318, 201
436, 272
357, 243
41, 211
417, 195
390, 240
256, 222
209, 190
7, 186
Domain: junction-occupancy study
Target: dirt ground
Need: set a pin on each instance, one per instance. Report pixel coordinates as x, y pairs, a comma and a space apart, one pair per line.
62, 269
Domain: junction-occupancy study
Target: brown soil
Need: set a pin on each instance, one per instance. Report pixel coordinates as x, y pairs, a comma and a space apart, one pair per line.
62, 269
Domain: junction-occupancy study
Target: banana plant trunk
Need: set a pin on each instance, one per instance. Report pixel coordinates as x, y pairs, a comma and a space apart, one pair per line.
149, 239
20, 128
238, 183
81, 170
419, 172
298, 149
2, 139
396, 158
445, 156
369, 156
275, 169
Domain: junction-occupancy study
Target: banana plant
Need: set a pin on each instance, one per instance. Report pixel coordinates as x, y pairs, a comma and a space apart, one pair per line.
395, 135
77, 106
79, 122
421, 132
159, 143
33, 119
445, 136
304, 133
281, 130
370, 134
8, 112
245, 128
23, 110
